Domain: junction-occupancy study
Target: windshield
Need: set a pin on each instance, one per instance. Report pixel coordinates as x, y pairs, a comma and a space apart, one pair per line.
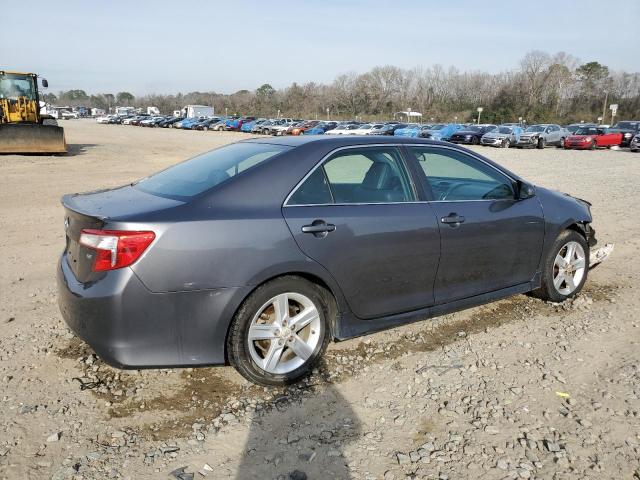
438, 127
628, 125
506, 130
13, 86
535, 128
194, 176
587, 131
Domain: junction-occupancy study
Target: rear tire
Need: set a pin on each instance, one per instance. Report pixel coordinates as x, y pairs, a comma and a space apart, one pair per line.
270, 348
561, 143
564, 273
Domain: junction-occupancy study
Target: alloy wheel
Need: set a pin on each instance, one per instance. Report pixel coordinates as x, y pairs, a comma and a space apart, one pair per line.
284, 333
569, 268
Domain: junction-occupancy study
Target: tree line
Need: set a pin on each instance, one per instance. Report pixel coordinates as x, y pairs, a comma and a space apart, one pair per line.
542, 88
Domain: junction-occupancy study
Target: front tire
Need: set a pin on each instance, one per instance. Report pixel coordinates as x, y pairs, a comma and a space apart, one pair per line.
565, 269
541, 143
280, 331
506, 143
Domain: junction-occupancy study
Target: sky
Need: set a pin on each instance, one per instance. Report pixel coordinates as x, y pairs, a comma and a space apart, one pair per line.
159, 46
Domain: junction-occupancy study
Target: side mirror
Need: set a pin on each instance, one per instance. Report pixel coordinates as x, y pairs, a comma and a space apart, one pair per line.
45, 84
525, 190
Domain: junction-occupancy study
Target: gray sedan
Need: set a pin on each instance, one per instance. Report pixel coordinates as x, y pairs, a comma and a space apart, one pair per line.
260, 253
503, 136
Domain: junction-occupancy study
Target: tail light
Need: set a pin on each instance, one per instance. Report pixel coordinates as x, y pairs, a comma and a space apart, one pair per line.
115, 248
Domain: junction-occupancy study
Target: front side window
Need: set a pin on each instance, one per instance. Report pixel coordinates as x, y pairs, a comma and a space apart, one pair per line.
455, 176
201, 173
357, 175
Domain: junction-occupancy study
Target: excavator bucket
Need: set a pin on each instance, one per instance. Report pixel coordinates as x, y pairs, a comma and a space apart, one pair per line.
31, 138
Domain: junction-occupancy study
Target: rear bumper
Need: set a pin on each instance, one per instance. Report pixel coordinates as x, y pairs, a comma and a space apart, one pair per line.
130, 327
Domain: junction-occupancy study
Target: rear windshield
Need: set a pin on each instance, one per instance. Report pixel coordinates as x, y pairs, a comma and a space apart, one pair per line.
199, 174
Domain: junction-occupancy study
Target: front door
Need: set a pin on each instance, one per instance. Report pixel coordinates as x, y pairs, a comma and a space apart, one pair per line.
356, 215
490, 240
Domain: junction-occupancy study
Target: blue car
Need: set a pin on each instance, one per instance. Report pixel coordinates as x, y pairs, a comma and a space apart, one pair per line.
441, 131
187, 122
411, 130
235, 124
321, 128
247, 126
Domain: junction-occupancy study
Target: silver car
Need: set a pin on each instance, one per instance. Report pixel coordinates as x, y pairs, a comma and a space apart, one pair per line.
541, 135
503, 136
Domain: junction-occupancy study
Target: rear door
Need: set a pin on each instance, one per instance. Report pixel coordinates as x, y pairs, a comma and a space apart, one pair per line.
489, 240
356, 214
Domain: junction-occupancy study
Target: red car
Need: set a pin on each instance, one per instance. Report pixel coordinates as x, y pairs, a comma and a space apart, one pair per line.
592, 138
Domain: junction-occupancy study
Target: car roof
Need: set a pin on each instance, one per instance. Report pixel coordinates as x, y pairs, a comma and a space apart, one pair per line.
342, 140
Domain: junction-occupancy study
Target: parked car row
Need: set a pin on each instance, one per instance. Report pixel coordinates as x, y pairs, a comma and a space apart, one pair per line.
585, 136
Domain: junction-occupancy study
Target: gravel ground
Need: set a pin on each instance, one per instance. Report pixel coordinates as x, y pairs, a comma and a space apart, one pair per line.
516, 389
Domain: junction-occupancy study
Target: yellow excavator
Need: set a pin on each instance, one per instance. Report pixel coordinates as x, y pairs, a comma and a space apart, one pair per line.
22, 128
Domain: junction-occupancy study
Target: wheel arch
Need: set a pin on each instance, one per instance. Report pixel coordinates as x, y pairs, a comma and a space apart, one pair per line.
579, 226
331, 293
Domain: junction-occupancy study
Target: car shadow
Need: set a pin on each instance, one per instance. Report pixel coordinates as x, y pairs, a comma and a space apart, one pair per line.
74, 149
305, 439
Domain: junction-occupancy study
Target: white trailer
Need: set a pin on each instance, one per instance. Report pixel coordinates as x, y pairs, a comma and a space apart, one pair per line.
153, 111
121, 111
196, 111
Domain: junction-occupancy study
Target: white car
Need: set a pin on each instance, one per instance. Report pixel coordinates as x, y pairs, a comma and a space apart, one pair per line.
280, 128
365, 129
105, 118
343, 129
67, 115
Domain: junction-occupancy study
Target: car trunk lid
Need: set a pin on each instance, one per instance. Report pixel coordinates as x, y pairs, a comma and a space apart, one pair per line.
95, 211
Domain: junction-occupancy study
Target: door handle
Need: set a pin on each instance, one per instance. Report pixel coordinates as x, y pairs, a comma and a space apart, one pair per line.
453, 219
319, 228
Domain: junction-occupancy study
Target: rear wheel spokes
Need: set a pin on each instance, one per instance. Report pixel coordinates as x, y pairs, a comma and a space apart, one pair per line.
284, 333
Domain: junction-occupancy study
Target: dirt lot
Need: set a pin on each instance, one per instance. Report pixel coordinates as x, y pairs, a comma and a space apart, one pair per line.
517, 389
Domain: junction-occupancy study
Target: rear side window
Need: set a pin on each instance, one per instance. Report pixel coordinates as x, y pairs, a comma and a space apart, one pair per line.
455, 176
358, 175
201, 173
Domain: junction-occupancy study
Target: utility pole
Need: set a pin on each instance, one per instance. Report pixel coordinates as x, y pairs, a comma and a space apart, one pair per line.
604, 106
